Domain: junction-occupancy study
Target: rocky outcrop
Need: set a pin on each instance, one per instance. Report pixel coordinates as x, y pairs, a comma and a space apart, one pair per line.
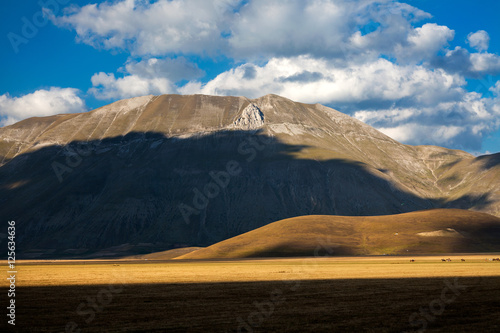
251, 118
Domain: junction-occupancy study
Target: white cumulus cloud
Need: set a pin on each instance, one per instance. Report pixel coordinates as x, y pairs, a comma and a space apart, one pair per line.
161, 27
149, 76
473, 65
107, 86
460, 123
485, 63
424, 42
40, 103
314, 80
479, 40
244, 29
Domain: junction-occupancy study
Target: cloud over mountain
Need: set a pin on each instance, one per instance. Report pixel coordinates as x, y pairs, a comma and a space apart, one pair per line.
40, 103
148, 76
385, 61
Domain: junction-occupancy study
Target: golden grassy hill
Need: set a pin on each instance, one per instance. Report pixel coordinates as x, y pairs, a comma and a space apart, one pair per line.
430, 231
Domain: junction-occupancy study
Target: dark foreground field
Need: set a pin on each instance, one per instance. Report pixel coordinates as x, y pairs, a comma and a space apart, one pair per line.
466, 304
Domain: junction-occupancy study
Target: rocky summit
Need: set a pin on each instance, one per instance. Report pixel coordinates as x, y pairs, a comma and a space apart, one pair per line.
159, 172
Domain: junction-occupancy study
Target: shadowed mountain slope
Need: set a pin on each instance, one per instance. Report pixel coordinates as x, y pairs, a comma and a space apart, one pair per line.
171, 171
424, 232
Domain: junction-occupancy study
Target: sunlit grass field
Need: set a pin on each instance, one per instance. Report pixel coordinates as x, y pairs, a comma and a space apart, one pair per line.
350, 294
58, 273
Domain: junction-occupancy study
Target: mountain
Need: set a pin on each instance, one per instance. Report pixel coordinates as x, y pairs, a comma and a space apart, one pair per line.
423, 232
160, 172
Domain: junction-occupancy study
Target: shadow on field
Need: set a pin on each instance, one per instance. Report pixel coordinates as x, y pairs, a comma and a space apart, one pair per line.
375, 305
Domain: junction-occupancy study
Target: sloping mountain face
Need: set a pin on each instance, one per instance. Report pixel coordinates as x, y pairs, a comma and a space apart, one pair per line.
156, 172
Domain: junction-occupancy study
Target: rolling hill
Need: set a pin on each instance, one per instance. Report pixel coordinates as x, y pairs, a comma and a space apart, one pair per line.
424, 232
175, 171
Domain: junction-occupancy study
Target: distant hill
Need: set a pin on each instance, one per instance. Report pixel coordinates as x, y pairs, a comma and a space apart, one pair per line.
424, 232
164, 255
176, 171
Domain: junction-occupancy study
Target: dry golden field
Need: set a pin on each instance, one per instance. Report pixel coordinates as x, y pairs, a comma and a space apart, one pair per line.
67, 272
349, 294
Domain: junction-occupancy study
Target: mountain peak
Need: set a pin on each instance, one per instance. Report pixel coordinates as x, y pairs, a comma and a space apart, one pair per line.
191, 170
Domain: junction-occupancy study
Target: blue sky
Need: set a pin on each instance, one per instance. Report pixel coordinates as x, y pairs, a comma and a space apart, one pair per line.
421, 71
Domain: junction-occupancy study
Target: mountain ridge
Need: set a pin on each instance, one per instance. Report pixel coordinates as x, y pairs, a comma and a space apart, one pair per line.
127, 168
